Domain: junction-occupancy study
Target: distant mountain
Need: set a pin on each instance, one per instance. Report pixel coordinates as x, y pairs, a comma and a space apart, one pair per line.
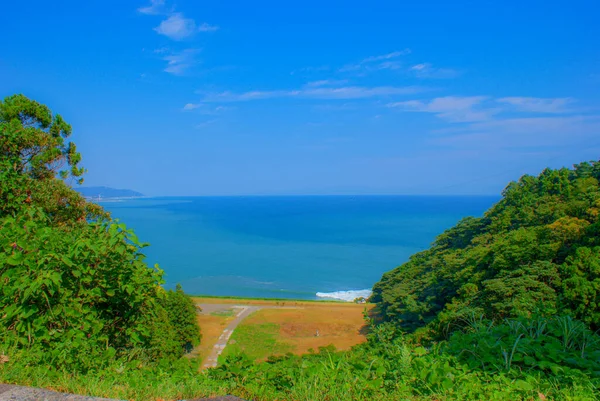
105, 192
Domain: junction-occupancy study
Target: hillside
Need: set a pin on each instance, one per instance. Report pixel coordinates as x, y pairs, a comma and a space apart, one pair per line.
536, 252
106, 192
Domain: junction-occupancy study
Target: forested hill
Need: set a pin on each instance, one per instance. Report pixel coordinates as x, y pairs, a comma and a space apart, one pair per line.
106, 192
536, 252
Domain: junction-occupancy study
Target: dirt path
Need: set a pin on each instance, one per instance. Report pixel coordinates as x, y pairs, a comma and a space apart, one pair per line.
242, 312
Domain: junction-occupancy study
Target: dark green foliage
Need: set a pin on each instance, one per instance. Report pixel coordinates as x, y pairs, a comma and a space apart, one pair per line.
182, 316
73, 282
534, 252
88, 285
557, 346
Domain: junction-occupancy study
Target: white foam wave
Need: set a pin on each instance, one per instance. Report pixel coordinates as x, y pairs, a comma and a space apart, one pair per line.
347, 296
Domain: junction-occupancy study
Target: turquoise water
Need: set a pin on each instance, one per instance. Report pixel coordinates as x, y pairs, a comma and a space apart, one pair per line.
288, 247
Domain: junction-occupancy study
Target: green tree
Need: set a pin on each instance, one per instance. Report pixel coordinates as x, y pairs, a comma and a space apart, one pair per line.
182, 315
34, 153
534, 252
73, 281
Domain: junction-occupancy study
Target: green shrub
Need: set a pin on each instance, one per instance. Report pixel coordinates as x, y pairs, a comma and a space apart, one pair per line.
181, 311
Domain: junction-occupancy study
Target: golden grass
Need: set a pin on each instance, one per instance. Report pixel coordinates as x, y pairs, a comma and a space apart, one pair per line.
341, 325
338, 323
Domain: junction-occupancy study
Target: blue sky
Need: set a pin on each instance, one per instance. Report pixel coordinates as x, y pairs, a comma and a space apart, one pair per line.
339, 97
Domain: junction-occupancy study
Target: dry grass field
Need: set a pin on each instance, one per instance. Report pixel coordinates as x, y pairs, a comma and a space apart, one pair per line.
285, 326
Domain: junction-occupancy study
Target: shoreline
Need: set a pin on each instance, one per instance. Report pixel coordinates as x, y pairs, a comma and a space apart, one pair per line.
267, 299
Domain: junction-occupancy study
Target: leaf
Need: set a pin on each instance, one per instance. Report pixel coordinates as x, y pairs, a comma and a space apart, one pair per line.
523, 385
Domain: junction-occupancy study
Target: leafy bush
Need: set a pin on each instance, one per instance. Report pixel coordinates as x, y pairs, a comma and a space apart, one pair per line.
557, 346
73, 282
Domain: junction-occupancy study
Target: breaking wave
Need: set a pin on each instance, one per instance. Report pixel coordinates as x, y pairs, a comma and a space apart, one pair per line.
347, 296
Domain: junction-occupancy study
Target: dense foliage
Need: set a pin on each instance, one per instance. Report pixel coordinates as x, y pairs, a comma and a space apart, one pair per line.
73, 282
182, 316
536, 252
520, 359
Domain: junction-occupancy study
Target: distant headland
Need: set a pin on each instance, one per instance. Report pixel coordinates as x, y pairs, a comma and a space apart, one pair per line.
106, 192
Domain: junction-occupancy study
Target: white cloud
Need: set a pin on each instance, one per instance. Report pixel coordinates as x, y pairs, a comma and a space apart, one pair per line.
427, 70
451, 108
204, 27
327, 82
305, 70
192, 106
206, 108
391, 61
532, 132
373, 62
420, 67
389, 65
347, 92
539, 105
179, 63
177, 27
386, 56
156, 7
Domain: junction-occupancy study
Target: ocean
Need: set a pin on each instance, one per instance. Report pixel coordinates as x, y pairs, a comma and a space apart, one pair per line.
304, 247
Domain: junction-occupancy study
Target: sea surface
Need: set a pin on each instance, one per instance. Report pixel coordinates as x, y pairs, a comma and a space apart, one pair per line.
305, 247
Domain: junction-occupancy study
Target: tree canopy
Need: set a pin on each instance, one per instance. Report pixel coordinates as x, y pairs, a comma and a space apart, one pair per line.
537, 251
36, 161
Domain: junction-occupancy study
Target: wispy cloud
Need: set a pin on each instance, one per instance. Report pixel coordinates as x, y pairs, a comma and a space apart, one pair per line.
327, 82
427, 70
179, 63
532, 132
309, 70
206, 109
539, 105
192, 106
386, 56
347, 92
380, 62
485, 108
451, 108
156, 7
204, 27
205, 124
